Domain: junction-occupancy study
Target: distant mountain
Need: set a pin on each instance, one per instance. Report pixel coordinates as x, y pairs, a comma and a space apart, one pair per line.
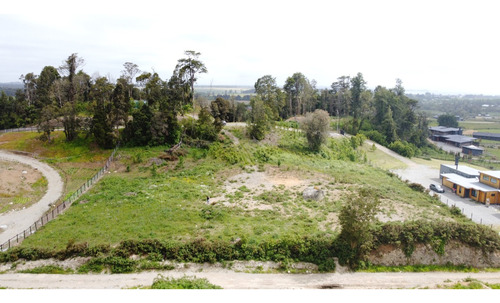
10, 88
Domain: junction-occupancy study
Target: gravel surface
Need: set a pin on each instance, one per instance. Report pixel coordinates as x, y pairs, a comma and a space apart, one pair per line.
228, 279
18, 221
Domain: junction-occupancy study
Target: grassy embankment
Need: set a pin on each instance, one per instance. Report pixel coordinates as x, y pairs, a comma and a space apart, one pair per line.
139, 200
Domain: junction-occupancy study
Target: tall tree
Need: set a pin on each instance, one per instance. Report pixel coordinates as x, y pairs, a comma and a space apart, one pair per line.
187, 68
131, 69
68, 109
101, 126
358, 86
341, 90
259, 122
298, 91
30, 88
272, 96
45, 81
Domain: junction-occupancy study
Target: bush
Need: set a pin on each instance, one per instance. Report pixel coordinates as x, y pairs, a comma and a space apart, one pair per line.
375, 136
162, 282
403, 148
316, 126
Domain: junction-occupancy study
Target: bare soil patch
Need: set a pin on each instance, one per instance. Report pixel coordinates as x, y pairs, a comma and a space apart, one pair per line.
18, 186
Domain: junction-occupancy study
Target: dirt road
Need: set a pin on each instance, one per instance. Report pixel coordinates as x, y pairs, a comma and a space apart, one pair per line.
18, 221
228, 279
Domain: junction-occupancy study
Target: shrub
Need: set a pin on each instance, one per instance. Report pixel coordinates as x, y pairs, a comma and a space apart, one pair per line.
186, 282
316, 126
403, 148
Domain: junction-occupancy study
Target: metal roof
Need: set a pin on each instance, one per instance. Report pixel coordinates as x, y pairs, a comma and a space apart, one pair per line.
460, 139
496, 135
469, 183
464, 169
473, 147
444, 129
493, 173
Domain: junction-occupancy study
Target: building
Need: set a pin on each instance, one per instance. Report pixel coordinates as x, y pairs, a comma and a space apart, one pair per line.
472, 150
438, 133
481, 186
486, 136
450, 135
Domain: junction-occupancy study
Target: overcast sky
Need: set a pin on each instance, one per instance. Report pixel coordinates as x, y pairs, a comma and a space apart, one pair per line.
436, 46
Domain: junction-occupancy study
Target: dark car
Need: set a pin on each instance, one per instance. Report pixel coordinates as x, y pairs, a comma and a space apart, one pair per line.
437, 188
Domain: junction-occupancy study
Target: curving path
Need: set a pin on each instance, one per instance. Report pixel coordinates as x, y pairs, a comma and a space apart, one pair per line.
18, 221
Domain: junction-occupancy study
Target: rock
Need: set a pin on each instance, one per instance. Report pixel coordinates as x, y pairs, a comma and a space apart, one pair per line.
312, 193
3, 228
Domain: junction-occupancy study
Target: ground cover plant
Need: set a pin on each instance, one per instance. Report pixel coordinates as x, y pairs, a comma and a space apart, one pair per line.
255, 208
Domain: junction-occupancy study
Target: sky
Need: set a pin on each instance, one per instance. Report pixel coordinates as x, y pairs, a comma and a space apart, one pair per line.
437, 46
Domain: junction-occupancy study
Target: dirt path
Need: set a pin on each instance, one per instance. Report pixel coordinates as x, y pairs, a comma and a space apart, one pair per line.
18, 221
228, 279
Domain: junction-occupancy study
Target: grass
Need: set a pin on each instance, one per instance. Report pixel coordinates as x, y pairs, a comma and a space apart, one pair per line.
171, 206
380, 159
186, 282
76, 161
47, 269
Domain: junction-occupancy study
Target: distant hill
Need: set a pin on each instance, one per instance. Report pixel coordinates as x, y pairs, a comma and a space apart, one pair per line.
10, 88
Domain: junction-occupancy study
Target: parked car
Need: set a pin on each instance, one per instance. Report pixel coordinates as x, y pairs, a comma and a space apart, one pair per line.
437, 188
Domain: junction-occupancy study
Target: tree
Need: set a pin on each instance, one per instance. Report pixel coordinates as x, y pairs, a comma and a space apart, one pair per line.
342, 95
221, 111
120, 101
131, 69
45, 81
447, 120
187, 68
30, 88
316, 126
101, 125
67, 91
356, 217
299, 92
272, 95
259, 123
47, 121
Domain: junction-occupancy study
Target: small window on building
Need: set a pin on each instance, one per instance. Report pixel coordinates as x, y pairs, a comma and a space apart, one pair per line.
459, 190
473, 193
485, 177
493, 180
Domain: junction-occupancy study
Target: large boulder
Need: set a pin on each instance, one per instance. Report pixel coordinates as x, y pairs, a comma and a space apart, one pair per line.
312, 193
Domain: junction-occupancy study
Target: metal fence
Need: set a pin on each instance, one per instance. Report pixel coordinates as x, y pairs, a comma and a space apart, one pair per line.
59, 208
17, 130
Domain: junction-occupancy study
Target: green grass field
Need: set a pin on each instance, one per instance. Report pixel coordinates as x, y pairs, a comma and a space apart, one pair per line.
138, 200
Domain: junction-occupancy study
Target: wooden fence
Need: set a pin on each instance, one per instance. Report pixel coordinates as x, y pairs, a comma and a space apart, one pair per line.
59, 208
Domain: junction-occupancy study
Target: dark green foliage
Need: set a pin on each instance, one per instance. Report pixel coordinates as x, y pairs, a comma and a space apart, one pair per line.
138, 131
355, 239
376, 136
115, 264
259, 123
437, 234
47, 269
403, 148
162, 282
417, 187
447, 120
221, 110
316, 126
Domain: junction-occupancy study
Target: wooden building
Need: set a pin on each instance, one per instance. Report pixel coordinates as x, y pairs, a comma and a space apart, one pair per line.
484, 188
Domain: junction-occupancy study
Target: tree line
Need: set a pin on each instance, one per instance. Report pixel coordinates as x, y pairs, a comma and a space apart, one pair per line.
153, 111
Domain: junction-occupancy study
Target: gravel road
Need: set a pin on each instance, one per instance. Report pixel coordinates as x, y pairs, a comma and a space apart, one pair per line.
228, 279
18, 221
